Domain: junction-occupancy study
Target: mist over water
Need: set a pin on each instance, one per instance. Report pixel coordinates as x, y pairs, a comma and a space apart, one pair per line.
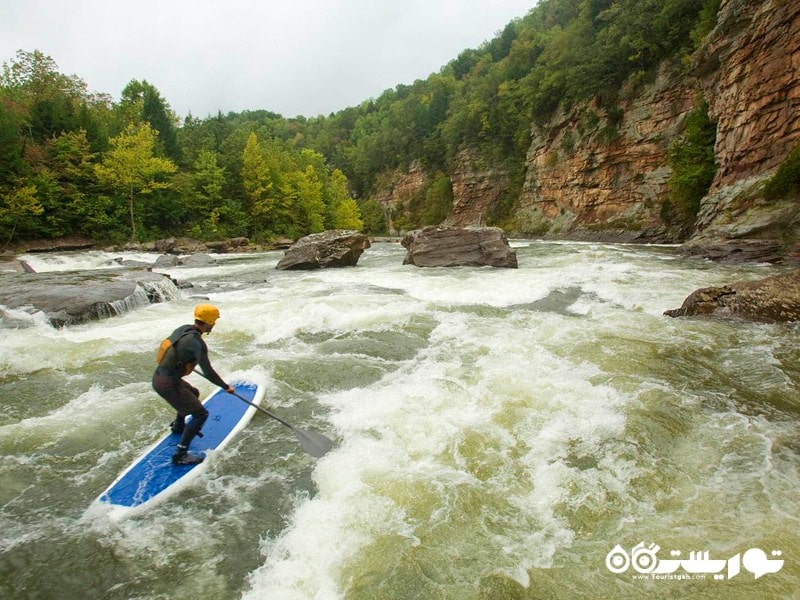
497, 432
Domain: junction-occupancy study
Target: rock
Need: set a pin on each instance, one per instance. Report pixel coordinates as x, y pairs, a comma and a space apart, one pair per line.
59, 244
282, 244
165, 246
477, 187
132, 264
456, 247
748, 71
740, 251
198, 260
399, 187
333, 248
165, 261
775, 299
237, 244
188, 246
71, 298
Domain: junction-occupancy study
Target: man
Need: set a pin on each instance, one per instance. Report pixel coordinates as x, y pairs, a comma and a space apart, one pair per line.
182, 352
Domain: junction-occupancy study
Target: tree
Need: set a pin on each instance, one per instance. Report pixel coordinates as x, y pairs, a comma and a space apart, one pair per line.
311, 207
343, 210
208, 179
63, 178
51, 100
256, 181
19, 206
141, 102
373, 216
131, 169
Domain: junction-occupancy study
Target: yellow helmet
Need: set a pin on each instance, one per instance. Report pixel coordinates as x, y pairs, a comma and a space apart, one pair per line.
206, 313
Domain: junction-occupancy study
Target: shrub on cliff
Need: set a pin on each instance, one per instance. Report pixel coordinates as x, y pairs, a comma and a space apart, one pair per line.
693, 167
785, 183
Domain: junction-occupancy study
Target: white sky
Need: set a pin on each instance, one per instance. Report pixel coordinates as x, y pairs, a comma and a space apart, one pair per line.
293, 57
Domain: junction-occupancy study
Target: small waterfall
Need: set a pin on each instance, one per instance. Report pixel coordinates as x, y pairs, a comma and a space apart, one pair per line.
163, 290
146, 292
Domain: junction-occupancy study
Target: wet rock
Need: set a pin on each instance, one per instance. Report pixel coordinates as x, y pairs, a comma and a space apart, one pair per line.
741, 251
71, 298
333, 248
59, 244
165, 261
775, 299
457, 247
198, 260
282, 244
132, 264
238, 244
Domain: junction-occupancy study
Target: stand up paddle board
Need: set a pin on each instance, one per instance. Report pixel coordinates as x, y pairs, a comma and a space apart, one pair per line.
152, 478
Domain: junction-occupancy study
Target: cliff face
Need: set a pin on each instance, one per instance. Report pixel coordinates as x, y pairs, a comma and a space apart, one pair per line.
401, 186
477, 186
749, 70
613, 179
600, 173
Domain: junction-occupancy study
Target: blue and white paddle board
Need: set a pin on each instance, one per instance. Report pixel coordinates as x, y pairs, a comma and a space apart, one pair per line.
152, 478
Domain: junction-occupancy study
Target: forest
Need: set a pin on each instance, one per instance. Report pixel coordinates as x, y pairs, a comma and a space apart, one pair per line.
73, 161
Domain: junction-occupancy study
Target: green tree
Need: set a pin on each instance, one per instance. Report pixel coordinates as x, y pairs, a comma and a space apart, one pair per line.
310, 204
343, 212
257, 182
63, 176
131, 169
141, 102
18, 209
208, 180
374, 217
51, 100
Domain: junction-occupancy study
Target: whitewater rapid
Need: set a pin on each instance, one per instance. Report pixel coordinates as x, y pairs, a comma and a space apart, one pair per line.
497, 432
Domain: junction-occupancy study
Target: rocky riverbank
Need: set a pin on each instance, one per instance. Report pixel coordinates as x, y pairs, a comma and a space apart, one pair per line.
76, 297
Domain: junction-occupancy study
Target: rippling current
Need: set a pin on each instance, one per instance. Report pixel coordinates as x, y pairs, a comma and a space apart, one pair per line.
498, 433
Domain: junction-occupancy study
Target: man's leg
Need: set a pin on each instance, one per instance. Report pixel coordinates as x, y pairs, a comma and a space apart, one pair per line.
185, 399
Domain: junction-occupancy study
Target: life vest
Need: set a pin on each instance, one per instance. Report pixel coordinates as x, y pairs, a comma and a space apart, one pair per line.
169, 344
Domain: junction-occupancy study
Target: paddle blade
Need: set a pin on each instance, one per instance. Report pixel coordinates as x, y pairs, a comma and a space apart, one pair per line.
316, 444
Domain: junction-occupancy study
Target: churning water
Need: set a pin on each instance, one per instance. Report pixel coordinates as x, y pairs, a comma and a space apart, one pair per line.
498, 433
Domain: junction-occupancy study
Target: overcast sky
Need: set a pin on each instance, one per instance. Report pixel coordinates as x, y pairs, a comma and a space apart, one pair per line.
294, 57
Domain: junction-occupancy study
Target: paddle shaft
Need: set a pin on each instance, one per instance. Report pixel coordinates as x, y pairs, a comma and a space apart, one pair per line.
315, 444
264, 410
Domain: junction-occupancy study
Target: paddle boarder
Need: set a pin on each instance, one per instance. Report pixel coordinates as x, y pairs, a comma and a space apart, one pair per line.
178, 355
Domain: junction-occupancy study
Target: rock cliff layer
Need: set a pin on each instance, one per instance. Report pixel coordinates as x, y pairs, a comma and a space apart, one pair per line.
749, 69
603, 172
596, 171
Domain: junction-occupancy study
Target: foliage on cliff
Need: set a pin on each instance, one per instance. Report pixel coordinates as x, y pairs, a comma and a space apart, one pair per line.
693, 167
295, 175
785, 183
561, 52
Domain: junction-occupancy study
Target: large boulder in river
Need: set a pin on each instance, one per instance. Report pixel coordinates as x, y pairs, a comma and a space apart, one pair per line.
771, 300
76, 297
332, 248
459, 246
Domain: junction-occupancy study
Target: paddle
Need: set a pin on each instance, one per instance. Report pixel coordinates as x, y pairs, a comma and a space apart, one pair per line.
316, 444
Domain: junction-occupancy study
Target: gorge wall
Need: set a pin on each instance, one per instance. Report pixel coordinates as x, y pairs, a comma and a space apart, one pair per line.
600, 173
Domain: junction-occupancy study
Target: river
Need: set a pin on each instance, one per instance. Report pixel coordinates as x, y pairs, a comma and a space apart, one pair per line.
499, 434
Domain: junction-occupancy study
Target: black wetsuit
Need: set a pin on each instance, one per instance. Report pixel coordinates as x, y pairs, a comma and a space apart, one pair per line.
188, 350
